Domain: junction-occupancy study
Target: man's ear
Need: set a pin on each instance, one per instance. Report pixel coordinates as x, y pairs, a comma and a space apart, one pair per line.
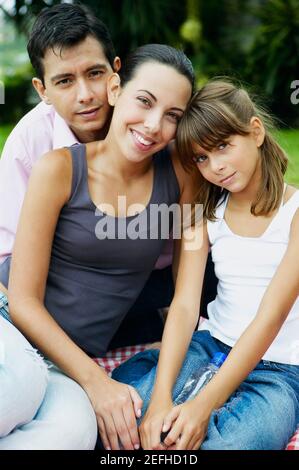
258, 130
116, 64
41, 90
113, 88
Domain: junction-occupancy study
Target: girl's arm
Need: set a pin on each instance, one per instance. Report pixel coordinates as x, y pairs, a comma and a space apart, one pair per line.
49, 189
191, 418
181, 322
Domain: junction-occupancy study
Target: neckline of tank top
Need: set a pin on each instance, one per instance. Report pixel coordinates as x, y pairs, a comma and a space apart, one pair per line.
281, 207
130, 217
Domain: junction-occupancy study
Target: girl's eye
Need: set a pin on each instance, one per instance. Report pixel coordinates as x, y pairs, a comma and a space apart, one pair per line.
144, 101
222, 146
199, 158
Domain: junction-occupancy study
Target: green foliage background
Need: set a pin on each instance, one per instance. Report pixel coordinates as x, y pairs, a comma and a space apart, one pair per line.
256, 41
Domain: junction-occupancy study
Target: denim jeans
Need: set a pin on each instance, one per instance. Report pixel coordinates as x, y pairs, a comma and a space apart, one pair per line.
40, 407
262, 414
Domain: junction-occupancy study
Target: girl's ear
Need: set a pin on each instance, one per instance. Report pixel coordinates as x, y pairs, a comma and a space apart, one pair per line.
113, 88
258, 130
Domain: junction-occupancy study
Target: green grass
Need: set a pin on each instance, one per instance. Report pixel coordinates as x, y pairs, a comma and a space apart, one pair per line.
4, 131
288, 139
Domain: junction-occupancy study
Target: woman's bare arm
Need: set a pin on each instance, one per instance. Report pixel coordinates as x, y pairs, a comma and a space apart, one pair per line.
49, 189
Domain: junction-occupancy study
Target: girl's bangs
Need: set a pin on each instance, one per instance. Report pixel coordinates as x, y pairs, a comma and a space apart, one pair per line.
211, 128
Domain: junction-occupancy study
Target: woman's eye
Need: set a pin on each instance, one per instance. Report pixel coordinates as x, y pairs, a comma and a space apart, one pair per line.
144, 101
174, 117
199, 159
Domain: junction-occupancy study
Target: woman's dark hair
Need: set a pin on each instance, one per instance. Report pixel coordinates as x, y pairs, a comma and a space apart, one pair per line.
217, 111
159, 53
64, 26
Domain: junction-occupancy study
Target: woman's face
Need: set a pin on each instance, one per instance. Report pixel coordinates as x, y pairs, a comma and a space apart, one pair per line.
147, 110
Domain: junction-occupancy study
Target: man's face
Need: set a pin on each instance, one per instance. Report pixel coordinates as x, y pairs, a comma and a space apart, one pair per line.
75, 84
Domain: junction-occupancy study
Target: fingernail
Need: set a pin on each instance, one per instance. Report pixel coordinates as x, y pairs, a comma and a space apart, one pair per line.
136, 446
108, 448
139, 413
165, 427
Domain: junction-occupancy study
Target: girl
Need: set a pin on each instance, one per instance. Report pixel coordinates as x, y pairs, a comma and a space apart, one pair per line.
75, 270
251, 223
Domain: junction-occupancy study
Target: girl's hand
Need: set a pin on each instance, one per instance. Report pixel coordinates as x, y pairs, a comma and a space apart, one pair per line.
116, 406
151, 427
188, 425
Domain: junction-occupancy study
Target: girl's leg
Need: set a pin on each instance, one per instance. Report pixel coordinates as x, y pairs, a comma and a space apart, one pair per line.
23, 379
140, 370
65, 421
261, 415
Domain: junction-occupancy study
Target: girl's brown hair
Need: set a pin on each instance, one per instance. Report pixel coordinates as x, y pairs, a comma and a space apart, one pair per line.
217, 111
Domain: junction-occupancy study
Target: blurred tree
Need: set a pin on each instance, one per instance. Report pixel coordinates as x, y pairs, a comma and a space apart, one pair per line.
131, 22
252, 40
273, 62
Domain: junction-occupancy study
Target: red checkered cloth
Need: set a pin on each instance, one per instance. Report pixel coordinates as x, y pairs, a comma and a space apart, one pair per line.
116, 357
294, 442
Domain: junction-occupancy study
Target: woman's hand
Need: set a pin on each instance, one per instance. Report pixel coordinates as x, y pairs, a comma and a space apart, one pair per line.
151, 427
116, 406
187, 425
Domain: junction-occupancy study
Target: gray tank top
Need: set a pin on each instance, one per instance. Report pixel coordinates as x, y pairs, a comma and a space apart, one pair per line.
93, 282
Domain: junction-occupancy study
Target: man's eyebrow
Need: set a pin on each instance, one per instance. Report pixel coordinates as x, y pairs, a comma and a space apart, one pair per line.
97, 66
61, 76
155, 99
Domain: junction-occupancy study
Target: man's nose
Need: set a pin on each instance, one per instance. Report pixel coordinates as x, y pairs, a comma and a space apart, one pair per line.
85, 92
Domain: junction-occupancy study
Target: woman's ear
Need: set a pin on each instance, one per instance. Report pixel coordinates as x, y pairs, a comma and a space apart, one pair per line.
258, 130
113, 88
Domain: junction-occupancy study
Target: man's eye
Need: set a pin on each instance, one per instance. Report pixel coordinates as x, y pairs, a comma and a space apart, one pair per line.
64, 81
97, 73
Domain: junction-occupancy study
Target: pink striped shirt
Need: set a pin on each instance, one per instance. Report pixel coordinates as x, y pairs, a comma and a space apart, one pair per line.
38, 132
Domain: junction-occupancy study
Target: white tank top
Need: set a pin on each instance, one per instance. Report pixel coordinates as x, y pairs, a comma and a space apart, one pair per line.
245, 267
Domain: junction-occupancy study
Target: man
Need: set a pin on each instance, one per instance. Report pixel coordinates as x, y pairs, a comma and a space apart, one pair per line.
72, 64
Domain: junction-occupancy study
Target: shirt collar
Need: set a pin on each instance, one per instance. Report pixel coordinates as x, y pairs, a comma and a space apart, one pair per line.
62, 134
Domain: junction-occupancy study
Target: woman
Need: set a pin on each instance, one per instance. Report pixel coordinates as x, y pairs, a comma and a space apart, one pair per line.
75, 269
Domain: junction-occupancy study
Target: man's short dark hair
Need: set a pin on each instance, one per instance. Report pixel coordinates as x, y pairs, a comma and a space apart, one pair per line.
63, 26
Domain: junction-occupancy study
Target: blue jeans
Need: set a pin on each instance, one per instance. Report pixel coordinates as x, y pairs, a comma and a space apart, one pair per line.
40, 407
262, 414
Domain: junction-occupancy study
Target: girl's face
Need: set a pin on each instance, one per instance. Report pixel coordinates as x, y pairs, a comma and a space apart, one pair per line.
147, 109
235, 163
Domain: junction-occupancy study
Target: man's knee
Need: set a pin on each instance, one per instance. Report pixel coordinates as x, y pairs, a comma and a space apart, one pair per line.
69, 414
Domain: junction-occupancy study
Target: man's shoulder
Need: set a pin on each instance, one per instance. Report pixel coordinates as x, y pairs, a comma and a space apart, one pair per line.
42, 115
32, 136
